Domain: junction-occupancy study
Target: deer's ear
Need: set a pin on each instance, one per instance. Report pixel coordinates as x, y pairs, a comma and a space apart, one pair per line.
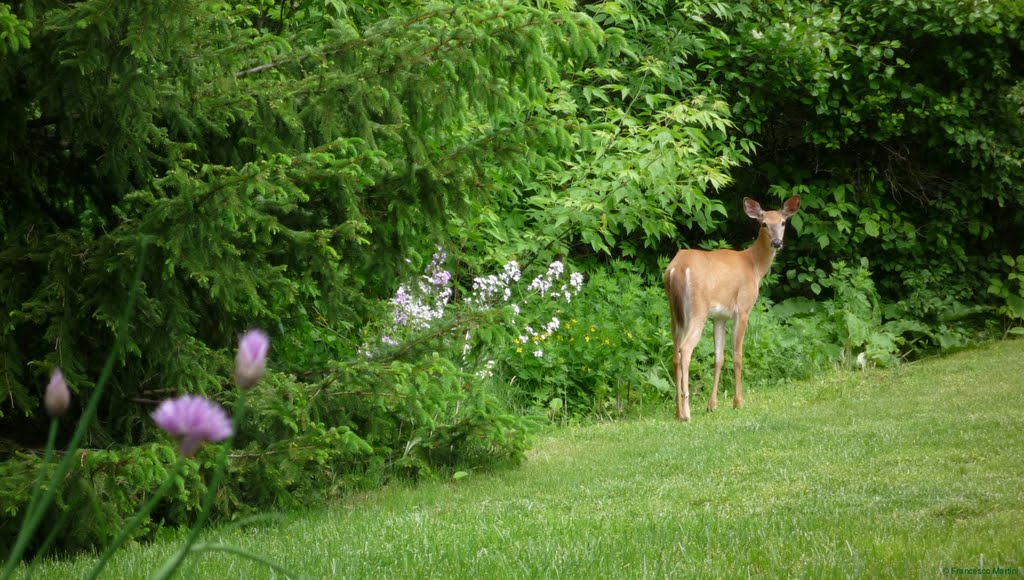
790, 206
752, 208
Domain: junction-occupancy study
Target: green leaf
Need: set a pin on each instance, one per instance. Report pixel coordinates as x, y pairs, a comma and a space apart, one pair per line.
1015, 304
871, 228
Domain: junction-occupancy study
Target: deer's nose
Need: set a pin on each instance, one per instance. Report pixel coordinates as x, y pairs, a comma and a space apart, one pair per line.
777, 244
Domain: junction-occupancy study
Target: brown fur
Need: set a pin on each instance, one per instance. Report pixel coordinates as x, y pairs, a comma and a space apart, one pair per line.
722, 285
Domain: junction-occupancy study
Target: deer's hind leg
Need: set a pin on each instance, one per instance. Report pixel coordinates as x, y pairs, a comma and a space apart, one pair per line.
683, 337
689, 337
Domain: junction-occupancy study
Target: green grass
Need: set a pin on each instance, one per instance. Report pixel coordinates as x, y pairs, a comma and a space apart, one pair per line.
880, 474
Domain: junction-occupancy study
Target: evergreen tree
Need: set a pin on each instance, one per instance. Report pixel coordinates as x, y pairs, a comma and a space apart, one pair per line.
281, 159
274, 163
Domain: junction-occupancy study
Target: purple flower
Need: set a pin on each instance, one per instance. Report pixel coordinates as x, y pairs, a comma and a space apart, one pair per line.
440, 277
57, 398
251, 360
401, 297
191, 420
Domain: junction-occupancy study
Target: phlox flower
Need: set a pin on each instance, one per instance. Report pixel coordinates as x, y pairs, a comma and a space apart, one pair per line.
487, 289
552, 326
488, 370
539, 285
576, 280
555, 269
191, 420
401, 296
511, 272
543, 283
424, 302
440, 277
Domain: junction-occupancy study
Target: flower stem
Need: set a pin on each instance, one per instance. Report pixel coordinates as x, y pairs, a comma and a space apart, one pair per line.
174, 562
127, 530
207, 547
51, 442
33, 518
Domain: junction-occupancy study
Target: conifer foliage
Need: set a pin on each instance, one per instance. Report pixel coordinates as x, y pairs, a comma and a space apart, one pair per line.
279, 157
278, 160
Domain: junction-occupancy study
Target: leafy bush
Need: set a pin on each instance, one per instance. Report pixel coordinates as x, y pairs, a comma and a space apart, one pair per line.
555, 342
1011, 290
360, 424
101, 492
863, 330
608, 341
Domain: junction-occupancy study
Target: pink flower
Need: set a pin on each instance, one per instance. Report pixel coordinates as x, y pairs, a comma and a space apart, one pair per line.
251, 361
192, 420
57, 398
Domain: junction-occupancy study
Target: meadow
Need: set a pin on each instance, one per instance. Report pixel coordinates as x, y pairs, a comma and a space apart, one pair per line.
903, 472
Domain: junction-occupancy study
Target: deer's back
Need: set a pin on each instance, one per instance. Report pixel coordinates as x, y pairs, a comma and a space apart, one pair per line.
723, 280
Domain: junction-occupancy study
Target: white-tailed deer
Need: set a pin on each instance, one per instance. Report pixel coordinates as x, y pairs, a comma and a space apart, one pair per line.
722, 285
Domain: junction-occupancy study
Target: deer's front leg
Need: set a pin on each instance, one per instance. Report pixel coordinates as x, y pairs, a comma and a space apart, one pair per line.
719, 361
737, 358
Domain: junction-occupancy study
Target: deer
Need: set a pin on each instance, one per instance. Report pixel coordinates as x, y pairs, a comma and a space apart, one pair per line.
721, 285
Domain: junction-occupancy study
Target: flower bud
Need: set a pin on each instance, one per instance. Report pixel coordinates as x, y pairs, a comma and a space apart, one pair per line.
57, 398
251, 361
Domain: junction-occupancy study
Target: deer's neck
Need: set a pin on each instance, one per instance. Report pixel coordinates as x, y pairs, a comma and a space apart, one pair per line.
762, 254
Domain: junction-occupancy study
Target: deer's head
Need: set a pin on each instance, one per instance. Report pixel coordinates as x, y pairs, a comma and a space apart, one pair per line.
773, 222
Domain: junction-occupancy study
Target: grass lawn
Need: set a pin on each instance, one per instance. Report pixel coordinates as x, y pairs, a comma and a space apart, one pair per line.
888, 473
